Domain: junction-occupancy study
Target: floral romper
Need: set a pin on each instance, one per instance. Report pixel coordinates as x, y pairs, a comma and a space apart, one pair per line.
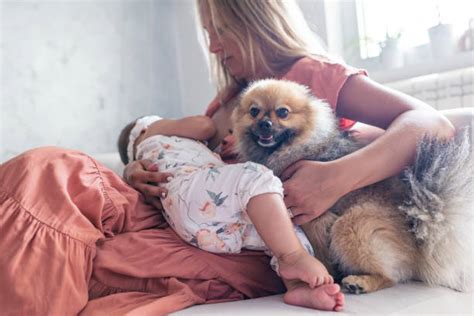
207, 198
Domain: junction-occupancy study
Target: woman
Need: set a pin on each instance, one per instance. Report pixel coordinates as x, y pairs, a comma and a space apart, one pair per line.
251, 40
71, 230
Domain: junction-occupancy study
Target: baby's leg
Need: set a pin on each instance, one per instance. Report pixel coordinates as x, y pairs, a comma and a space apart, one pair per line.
325, 297
270, 217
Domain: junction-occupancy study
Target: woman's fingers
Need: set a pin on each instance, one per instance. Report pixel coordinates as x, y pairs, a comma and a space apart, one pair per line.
155, 176
310, 189
144, 176
152, 173
299, 216
290, 170
149, 165
137, 176
144, 171
152, 190
288, 194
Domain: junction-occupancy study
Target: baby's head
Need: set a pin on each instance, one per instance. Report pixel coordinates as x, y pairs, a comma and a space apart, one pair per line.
130, 133
123, 140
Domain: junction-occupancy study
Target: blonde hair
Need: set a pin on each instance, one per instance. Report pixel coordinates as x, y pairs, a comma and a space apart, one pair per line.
269, 33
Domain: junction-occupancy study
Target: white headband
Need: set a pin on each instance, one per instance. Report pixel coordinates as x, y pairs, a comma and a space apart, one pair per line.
141, 124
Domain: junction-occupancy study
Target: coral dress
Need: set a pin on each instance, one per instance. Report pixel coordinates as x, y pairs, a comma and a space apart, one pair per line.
75, 238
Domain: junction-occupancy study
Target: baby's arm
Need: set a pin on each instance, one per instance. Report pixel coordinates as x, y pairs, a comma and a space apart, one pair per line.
197, 127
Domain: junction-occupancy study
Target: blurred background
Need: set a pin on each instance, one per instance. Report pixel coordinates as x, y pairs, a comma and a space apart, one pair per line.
74, 72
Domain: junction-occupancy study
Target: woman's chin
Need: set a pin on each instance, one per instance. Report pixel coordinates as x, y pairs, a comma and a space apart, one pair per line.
235, 72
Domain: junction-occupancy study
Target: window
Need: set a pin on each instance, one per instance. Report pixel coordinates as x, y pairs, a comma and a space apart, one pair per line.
408, 20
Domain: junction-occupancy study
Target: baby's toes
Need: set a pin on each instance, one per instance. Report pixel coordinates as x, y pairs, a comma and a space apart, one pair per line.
338, 308
339, 298
322, 280
315, 282
327, 279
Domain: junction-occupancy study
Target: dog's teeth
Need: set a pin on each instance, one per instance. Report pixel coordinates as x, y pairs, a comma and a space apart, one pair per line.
266, 144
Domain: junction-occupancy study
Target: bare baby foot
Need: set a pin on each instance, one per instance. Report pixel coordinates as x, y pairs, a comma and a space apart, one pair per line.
325, 297
302, 266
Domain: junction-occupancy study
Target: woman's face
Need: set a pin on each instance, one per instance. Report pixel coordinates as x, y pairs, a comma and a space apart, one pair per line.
225, 49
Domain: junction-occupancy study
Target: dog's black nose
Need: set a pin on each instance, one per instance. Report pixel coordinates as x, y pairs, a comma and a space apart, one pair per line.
265, 125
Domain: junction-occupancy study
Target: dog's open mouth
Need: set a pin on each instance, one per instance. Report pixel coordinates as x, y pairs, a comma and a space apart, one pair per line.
266, 141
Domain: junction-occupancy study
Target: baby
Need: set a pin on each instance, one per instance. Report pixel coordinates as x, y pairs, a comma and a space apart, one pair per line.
223, 208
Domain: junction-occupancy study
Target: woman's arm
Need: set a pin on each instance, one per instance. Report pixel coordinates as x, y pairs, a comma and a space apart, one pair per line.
405, 120
312, 187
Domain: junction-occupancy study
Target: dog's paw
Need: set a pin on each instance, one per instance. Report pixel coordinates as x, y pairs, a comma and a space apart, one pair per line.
354, 284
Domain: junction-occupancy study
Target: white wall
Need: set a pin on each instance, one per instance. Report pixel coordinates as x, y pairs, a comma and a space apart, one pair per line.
195, 83
73, 73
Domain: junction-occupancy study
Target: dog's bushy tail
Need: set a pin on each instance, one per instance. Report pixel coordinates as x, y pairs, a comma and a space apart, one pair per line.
439, 206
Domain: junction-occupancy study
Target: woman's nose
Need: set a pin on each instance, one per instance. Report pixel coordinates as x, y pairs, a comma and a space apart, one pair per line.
215, 45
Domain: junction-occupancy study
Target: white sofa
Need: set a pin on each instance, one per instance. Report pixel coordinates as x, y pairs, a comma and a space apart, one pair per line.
404, 299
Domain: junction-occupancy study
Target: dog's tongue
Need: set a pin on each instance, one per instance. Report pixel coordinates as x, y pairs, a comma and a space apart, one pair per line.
266, 138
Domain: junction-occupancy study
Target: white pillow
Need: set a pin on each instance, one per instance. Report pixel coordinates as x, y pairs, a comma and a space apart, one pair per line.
111, 161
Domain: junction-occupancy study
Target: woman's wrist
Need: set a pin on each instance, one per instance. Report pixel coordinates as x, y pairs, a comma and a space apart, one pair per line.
394, 150
344, 177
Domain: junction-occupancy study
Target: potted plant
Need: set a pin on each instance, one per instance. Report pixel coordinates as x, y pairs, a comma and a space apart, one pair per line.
441, 38
466, 42
391, 55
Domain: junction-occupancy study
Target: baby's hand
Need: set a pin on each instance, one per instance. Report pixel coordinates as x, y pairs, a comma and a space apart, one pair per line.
227, 148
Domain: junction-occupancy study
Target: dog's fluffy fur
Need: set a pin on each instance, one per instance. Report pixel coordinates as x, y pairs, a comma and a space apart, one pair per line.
417, 225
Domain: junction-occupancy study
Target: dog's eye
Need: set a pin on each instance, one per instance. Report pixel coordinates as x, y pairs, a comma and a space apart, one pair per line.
254, 111
282, 112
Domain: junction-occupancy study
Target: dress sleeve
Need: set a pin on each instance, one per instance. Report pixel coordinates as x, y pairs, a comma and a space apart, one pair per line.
325, 78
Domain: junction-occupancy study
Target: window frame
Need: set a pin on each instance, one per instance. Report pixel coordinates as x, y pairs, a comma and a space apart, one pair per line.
342, 37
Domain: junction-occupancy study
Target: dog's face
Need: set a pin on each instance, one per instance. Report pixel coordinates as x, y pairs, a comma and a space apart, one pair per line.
273, 113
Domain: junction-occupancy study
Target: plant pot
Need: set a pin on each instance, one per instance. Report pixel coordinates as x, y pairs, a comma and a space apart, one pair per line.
441, 40
466, 42
391, 56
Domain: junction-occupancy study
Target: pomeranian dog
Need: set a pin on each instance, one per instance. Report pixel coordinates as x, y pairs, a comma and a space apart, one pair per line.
417, 225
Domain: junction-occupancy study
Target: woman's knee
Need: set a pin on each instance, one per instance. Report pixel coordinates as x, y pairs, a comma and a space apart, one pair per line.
25, 165
35, 155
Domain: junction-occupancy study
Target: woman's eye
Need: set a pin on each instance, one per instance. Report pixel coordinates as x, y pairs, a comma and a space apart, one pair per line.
219, 31
282, 113
254, 111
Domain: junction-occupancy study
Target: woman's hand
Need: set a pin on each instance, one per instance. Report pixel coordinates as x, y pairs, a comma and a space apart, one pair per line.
144, 176
311, 187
